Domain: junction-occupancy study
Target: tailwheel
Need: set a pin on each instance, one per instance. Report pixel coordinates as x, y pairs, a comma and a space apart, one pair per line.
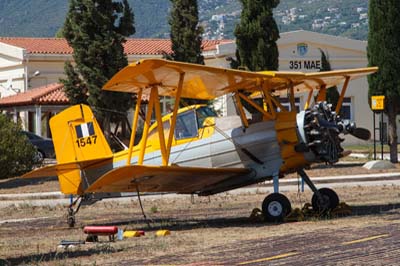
275, 207
71, 217
324, 200
71, 221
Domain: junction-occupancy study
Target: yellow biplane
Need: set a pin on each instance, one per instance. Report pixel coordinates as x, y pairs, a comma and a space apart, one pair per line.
192, 150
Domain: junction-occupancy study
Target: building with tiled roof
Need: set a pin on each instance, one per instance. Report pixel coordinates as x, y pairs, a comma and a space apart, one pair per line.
132, 46
22, 59
27, 63
37, 105
52, 94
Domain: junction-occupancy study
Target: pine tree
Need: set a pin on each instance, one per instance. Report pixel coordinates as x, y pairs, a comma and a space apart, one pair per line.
97, 30
332, 93
186, 32
256, 36
383, 51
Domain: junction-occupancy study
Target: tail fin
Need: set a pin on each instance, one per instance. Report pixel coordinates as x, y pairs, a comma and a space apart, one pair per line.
77, 138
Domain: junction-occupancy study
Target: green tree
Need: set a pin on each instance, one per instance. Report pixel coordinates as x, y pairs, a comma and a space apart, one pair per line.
383, 51
16, 153
256, 36
185, 32
97, 30
332, 93
186, 41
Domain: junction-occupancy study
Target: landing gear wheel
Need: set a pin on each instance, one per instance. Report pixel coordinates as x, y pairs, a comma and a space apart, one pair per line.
275, 207
329, 200
71, 218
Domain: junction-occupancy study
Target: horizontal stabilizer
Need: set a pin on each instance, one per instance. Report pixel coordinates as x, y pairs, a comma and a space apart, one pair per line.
162, 178
54, 170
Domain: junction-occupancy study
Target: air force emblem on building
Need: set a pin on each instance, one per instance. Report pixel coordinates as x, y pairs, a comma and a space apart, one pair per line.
302, 49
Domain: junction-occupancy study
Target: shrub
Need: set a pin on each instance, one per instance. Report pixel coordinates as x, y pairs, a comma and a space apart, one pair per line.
16, 152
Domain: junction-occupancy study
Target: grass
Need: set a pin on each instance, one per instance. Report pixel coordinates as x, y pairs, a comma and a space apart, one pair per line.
369, 148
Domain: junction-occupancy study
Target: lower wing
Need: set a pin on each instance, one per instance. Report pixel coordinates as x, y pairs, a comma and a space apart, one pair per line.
162, 179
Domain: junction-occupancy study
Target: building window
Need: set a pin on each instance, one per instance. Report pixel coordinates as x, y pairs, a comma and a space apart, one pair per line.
346, 112
285, 102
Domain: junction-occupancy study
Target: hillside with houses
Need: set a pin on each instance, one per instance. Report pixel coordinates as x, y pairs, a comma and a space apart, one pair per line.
348, 18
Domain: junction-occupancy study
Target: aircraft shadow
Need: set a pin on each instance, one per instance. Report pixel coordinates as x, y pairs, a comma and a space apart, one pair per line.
54, 256
181, 224
338, 165
186, 224
363, 210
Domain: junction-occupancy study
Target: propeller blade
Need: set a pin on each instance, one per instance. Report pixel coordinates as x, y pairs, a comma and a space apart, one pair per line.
361, 133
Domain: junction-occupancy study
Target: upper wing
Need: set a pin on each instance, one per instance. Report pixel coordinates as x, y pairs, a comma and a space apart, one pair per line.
162, 178
205, 82
200, 82
328, 79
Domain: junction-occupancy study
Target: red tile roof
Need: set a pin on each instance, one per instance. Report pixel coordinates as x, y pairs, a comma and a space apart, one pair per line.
132, 46
52, 94
46, 95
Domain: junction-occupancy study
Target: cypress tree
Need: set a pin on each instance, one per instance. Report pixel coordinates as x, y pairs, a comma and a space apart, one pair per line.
97, 30
383, 51
185, 36
256, 36
186, 32
332, 93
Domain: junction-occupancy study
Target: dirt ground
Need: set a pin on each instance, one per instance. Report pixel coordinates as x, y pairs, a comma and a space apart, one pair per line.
216, 230
207, 231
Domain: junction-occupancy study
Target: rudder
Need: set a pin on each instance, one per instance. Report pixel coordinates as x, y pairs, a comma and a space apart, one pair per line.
77, 137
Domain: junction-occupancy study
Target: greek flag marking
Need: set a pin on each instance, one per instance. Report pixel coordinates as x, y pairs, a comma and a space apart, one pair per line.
84, 130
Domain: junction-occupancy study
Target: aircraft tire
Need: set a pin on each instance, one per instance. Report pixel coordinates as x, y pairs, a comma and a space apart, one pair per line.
330, 200
275, 207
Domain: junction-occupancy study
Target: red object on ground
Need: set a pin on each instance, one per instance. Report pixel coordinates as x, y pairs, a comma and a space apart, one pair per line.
100, 230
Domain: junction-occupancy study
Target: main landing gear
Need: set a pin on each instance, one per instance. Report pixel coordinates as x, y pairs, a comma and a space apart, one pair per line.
276, 206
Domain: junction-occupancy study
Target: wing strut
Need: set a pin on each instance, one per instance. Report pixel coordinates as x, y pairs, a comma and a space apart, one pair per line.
310, 94
342, 93
134, 127
155, 104
147, 126
175, 114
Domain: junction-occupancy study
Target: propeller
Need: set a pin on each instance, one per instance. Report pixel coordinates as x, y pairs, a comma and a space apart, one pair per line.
361, 133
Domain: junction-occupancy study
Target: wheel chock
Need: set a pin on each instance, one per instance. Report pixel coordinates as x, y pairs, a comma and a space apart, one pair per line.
307, 210
341, 210
256, 215
163, 233
128, 234
295, 216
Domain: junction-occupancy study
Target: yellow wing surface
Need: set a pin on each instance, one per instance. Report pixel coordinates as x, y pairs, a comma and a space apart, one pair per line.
205, 82
162, 178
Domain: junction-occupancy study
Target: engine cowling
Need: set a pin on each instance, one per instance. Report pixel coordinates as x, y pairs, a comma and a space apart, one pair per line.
320, 129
